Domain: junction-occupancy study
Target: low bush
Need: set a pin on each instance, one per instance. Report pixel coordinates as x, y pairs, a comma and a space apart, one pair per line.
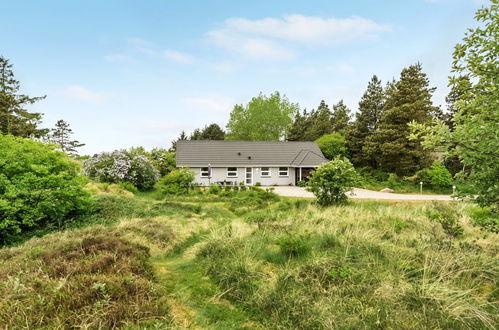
331, 181
436, 176
177, 182
448, 218
294, 245
485, 217
128, 186
39, 188
92, 279
122, 166
214, 189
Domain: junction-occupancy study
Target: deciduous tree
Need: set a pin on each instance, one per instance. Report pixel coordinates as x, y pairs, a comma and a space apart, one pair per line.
474, 136
264, 118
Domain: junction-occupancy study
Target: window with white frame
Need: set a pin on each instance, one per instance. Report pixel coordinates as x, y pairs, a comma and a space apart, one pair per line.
265, 172
283, 171
232, 172
205, 172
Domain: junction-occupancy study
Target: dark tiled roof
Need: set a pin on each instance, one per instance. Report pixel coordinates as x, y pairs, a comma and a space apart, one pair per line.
223, 153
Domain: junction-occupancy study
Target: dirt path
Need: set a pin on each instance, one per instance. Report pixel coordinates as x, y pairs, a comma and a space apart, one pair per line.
195, 302
363, 194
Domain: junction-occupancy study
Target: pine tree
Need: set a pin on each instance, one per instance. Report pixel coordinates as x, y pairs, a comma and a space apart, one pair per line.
340, 118
14, 118
366, 122
320, 123
297, 130
212, 132
408, 99
61, 135
182, 137
195, 135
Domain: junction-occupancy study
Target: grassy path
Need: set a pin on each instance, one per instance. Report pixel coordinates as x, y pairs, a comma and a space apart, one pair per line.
196, 302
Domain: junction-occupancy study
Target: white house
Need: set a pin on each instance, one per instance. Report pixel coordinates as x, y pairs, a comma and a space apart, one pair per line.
233, 162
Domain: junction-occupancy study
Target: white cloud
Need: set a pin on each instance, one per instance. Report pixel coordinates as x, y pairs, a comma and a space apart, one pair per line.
214, 104
178, 57
274, 38
86, 95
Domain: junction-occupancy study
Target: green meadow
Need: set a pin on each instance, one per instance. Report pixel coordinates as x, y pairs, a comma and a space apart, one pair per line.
254, 260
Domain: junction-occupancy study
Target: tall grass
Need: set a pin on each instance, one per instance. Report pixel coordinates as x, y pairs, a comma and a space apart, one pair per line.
253, 260
365, 265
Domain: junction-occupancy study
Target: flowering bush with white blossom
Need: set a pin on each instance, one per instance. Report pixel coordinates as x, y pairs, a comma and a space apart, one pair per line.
122, 166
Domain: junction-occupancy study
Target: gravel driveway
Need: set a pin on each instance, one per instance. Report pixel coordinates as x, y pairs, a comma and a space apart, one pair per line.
292, 191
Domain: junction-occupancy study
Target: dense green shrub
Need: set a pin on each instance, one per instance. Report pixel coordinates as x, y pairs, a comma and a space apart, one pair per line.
39, 187
436, 176
486, 218
177, 182
122, 166
163, 160
294, 246
332, 180
128, 186
214, 189
332, 145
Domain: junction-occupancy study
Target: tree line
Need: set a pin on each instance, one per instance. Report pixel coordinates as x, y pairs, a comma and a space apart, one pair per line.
377, 137
394, 130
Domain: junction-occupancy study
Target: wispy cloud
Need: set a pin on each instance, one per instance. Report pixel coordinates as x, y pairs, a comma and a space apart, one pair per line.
83, 94
139, 48
178, 57
213, 103
275, 38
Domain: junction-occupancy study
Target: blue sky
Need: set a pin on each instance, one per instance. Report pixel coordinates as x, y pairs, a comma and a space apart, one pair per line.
130, 73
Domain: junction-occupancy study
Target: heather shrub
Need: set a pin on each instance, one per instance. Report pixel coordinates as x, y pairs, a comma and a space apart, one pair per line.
39, 188
122, 166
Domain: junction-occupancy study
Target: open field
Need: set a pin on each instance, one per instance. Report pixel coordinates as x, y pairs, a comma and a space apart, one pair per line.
251, 260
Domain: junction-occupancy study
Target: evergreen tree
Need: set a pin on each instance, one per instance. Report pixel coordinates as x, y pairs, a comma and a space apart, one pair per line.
297, 130
340, 118
196, 135
366, 122
61, 135
212, 132
182, 137
408, 99
320, 123
14, 118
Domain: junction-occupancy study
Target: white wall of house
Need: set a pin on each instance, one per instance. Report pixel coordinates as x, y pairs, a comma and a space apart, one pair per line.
220, 174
